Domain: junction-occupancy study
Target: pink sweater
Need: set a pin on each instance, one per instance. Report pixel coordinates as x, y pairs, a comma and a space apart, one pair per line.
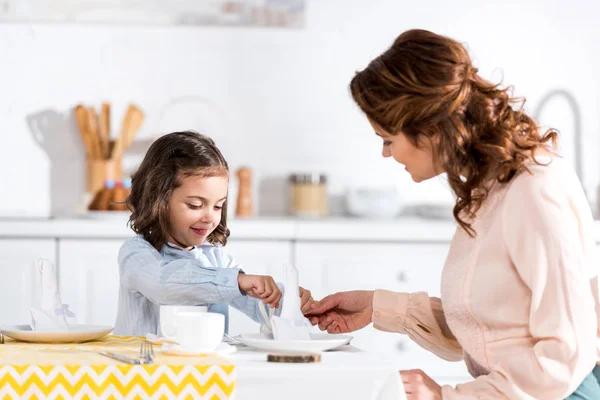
520, 300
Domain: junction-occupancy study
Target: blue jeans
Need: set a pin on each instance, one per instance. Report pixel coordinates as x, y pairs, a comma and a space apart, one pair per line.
589, 388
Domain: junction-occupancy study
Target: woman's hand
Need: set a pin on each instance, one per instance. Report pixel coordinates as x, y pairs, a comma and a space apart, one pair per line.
342, 312
419, 386
261, 287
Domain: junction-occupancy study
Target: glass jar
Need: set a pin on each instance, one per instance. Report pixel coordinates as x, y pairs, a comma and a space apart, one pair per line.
308, 195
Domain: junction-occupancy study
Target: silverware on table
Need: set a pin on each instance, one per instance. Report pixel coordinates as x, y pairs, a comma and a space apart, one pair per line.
146, 352
146, 355
232, 340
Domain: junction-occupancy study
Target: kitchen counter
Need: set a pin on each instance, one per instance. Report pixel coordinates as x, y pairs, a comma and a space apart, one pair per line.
271, 228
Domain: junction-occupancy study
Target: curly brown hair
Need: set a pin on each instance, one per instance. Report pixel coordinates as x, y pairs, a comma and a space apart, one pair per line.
426, 87
169, 159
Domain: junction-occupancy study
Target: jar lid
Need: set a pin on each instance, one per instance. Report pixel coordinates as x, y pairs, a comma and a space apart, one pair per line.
312, 178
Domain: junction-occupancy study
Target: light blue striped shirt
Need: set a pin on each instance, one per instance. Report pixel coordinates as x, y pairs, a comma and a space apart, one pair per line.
205, 275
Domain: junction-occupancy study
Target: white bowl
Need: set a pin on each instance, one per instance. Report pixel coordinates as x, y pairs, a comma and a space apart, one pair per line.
374, 202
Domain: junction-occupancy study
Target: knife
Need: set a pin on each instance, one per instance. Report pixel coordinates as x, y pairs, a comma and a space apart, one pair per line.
124, 359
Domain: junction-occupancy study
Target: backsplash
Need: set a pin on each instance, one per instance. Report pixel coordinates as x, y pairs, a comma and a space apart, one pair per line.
273, 100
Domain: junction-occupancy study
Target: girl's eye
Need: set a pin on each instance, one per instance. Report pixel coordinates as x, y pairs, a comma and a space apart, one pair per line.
386, 142
218, 207
193, 207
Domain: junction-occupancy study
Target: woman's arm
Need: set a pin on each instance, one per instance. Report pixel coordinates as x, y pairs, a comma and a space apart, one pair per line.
420, 317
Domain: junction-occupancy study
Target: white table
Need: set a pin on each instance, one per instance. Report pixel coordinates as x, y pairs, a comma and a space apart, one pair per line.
347, 373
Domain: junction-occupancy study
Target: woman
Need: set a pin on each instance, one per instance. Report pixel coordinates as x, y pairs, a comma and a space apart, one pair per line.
519, 290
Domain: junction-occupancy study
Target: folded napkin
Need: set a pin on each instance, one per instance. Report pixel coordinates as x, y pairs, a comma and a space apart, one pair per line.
291, 325
51, 314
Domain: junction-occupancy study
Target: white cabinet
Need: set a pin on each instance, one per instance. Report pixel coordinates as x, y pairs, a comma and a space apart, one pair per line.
258, 257
89, 279
19, 285
326, 268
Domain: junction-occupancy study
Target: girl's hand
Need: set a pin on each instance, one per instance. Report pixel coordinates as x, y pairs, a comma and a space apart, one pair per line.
306, 300
419, 386
261, 287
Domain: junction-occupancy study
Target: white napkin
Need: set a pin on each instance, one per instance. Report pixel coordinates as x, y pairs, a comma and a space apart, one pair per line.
291, 325
51, 314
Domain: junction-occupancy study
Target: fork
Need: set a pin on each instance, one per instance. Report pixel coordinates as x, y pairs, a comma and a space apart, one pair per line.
146, 352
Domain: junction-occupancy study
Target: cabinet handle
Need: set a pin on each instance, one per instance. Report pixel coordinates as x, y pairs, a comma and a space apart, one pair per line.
402, 277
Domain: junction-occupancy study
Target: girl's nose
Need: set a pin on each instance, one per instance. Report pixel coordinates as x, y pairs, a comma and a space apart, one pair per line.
207, 217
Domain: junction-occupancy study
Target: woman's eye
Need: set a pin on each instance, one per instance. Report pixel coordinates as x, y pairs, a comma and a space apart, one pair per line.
193, 207
218, 207
387, 142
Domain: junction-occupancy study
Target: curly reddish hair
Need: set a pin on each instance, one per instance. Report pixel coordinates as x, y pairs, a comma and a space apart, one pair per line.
426, 87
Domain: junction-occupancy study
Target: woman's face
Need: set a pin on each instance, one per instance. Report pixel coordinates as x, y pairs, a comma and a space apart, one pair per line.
418, 161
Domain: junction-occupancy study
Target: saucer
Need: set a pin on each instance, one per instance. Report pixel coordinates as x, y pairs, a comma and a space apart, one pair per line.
319, 342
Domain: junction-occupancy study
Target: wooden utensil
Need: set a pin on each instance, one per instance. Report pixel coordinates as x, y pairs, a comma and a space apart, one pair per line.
105, 129
82, 123
136, 118
94, 135
118, 147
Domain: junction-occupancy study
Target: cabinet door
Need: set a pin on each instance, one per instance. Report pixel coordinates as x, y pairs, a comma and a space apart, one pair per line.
20, 287
326, 268
259, 258
89, 279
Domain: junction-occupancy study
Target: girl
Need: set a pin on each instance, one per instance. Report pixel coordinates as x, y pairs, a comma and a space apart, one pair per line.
519, 288
179, 206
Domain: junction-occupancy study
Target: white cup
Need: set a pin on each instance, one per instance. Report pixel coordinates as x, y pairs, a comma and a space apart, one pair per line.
199, 332
167, 318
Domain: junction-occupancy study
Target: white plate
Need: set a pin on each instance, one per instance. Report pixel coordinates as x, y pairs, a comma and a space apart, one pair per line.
320, 342
76, 334
176, 350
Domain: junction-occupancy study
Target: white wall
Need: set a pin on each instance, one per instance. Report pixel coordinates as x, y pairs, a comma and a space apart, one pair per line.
275, 100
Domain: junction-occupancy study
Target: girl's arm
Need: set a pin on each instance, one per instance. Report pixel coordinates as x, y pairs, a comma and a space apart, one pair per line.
246, 304
184, 281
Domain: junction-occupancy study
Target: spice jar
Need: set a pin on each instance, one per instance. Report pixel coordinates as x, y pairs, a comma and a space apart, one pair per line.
308, 195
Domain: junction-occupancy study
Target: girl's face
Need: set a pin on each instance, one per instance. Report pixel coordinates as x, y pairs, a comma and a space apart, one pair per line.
195, 209
418, 161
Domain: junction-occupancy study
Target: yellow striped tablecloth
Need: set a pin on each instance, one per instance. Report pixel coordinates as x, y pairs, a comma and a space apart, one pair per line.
77, 371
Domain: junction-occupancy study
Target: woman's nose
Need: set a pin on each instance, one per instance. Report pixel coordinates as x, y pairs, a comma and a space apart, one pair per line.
385, 152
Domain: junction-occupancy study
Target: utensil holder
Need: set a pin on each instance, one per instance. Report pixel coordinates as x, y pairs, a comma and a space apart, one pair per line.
99, 171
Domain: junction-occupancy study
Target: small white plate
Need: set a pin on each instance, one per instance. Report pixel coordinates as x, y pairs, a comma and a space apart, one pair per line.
75, 334
319, 342
176, 350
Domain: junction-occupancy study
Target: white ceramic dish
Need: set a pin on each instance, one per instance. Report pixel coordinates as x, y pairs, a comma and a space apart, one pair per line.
373, 202
75, 334
320, 342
